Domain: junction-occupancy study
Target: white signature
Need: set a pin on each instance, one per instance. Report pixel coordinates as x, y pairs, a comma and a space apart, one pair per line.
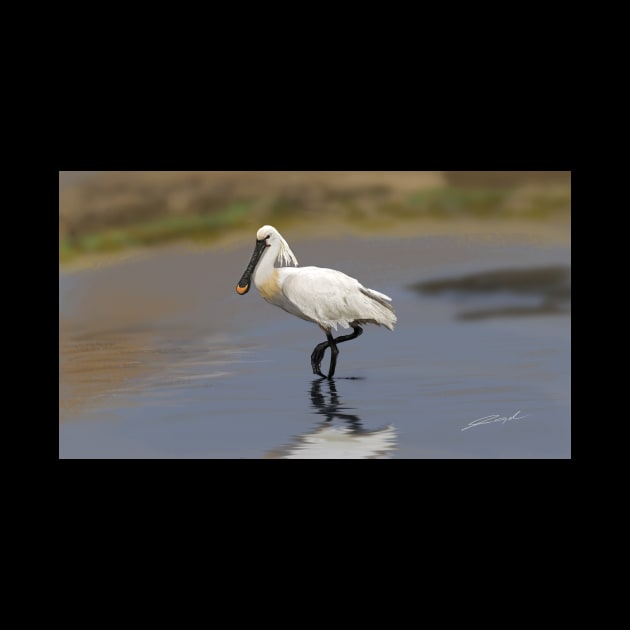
495, 418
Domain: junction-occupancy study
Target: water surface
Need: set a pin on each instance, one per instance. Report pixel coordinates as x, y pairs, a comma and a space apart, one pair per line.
160, 358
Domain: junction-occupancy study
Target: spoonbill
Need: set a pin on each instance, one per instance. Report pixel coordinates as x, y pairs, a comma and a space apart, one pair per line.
326, 297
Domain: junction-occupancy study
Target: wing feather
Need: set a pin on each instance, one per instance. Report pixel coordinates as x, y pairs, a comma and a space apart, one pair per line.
330, 298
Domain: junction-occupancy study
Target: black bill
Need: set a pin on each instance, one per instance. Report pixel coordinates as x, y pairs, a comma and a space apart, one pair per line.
243, 284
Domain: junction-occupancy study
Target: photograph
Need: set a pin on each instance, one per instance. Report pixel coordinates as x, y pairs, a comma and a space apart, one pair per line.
315, 315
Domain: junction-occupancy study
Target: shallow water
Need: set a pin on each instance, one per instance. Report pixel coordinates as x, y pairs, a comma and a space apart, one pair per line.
160, 358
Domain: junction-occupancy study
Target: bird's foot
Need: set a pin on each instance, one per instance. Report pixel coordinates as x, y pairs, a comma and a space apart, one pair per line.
317, 357
316, 365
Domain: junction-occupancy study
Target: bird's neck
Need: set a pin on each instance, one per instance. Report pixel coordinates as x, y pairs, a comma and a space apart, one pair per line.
265, 267
265, 270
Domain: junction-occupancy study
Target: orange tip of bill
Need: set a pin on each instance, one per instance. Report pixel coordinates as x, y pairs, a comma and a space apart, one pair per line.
242, 290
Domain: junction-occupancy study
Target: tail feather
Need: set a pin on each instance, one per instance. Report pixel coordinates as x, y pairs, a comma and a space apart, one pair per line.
387, 316
381, 298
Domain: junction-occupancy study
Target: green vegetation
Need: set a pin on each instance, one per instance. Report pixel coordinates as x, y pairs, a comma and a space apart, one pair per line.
364, 208
154, 231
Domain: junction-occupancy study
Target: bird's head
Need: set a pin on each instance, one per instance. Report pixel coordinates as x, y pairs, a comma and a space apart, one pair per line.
267, 233
267, 236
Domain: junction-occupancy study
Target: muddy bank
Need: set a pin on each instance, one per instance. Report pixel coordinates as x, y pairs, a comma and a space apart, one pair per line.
507, 179
541, 291
111, 211
118, 198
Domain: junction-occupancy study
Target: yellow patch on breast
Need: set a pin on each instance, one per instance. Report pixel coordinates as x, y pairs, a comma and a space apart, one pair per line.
271, 287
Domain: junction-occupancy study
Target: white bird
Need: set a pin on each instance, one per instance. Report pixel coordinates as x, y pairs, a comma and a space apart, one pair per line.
326, 297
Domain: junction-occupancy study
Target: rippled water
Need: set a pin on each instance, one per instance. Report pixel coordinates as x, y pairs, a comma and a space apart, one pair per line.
160, 358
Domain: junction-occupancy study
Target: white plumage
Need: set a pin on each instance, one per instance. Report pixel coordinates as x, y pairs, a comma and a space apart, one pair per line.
326, 297
330, 298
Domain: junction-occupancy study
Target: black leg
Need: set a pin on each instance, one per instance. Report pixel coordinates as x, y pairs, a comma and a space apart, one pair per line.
316, 358
357, 330
333, 355
318, 354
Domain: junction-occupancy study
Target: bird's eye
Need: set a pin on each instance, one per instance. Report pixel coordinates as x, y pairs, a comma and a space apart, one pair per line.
268, 236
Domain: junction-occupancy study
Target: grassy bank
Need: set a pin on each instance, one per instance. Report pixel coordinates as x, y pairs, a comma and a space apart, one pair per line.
361, 208
154, 231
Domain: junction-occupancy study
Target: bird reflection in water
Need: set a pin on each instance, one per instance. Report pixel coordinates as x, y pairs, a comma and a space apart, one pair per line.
348, 440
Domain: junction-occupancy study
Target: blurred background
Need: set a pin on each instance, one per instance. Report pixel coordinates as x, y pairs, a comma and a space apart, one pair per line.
153, 336
104, 212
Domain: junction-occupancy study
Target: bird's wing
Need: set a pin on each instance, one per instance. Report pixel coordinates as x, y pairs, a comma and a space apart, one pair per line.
328, 297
